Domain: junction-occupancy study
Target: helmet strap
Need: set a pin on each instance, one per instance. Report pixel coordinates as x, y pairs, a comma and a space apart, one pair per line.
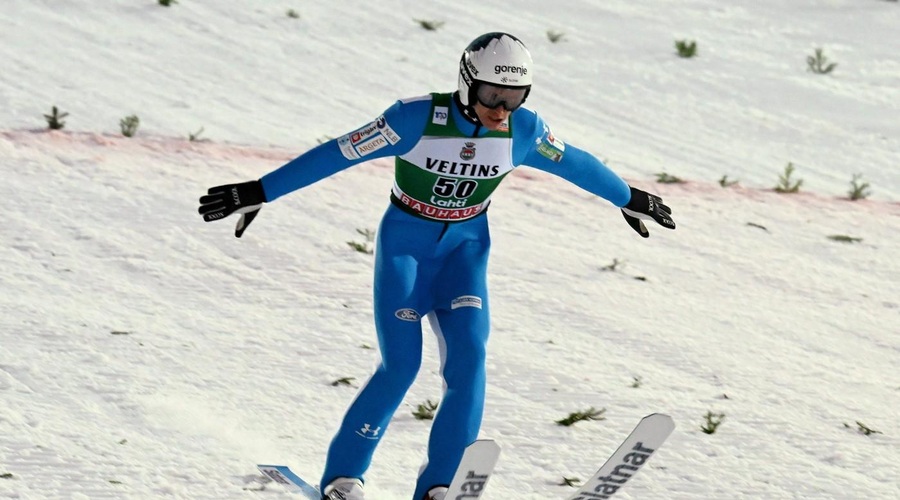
467, 111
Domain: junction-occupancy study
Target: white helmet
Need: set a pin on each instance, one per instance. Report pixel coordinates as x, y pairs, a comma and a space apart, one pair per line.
501, 61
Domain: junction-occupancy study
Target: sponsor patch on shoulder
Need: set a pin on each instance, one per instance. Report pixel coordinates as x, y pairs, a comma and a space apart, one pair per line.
550, 146
347, 148
368, 139
441, 113
372, 145
466, 301
386, 130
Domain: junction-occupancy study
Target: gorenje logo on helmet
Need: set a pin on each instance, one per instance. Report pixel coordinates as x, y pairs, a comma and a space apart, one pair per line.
520, 70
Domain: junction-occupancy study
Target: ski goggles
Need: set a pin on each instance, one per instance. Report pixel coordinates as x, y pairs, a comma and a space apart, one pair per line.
491, 96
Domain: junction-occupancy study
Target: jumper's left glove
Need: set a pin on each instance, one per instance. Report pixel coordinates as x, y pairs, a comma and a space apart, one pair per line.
221, 201
646, 206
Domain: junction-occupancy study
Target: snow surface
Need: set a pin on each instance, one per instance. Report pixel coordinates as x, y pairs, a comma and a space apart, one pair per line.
145, 354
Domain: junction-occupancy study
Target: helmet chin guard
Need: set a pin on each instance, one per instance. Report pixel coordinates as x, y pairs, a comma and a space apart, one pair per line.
498, 59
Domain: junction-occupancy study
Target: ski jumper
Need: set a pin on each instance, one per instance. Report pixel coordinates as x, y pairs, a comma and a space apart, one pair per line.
431, 259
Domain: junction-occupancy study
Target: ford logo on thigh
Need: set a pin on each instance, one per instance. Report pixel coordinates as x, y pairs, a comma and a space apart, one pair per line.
407, 314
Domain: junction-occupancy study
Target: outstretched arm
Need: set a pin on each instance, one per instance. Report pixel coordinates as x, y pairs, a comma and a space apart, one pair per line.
393, 133
546, 152
582, 169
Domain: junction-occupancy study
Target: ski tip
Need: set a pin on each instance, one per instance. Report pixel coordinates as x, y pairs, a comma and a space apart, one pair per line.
284, 476
660, 419
657, 416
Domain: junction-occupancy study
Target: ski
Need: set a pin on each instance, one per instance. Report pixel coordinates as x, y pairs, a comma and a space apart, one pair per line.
284, 476
651, 432
471, 477
474, 470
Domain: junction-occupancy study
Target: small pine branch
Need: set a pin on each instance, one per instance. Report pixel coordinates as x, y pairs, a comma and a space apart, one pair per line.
359, 247
429, 25
858, 190
578, 416
570, 481
686, 49
555, 36
129, 125
344, 381
785, 183
713, 420
425, 411
366, 246
293, 14
7, 475
167, 3
613, 266
843, 238
819, 63
54, 119
636, 382
664, 178
863, 429
195, 137
725, 183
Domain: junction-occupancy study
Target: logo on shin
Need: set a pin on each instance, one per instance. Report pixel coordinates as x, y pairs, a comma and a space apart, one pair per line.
368, 432
407, 314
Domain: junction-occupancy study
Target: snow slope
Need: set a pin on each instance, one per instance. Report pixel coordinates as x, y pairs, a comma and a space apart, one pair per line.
144, 353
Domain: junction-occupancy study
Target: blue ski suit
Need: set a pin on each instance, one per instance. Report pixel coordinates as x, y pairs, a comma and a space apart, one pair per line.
431, 259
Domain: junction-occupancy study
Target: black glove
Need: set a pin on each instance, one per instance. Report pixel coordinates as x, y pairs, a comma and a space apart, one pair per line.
644, 205
221, 201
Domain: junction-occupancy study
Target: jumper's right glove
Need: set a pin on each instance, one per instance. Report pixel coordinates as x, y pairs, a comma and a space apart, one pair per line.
221, 201
646, 206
